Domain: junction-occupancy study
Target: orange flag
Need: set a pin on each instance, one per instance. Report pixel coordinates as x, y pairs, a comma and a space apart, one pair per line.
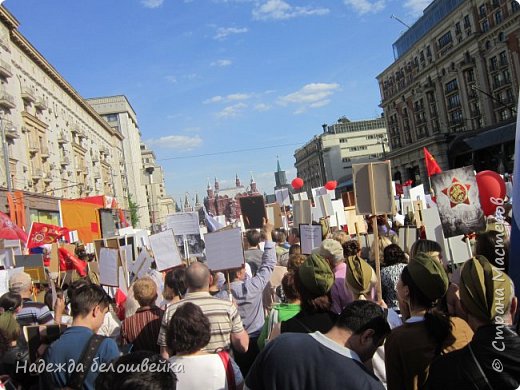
431, 165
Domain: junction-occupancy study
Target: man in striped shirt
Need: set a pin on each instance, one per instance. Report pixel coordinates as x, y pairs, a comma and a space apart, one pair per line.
226, 324
32, 313
142, 329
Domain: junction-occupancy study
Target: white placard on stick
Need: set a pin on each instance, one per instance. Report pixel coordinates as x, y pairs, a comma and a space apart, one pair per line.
274, 214
302, 212
165, 250
417, 193
460, 251
282, 197
183, 223
300, 196
224, 249
338, 219
310, 238
325, 204
142, 265
108, 267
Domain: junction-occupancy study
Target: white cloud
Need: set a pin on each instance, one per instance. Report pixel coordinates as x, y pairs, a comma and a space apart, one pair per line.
221, 63
223, 32
231, 111
262, 107
280, 10
152, 3
171, 79
312, 95
416, 7
226, 99
176, 142
366, 6
238, 96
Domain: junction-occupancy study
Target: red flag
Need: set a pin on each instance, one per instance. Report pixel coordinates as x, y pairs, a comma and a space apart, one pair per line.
42, 233
69, 262
120, 299
432, 168
9, 230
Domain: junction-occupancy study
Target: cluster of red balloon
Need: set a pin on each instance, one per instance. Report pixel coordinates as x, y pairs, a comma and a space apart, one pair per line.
297, 184
492, 191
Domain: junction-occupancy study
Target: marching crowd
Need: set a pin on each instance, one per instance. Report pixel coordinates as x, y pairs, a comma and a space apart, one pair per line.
283, 321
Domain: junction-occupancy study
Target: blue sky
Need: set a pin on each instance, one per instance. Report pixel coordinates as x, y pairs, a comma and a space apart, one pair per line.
212, 76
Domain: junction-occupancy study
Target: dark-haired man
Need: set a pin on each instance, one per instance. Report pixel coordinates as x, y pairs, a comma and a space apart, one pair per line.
324, 361
253, 253
89, 305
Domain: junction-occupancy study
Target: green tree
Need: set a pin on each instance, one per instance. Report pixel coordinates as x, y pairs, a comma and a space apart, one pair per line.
134, 211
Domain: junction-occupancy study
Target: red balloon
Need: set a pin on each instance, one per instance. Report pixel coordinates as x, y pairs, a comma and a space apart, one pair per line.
492, 191
297, 183
331, 185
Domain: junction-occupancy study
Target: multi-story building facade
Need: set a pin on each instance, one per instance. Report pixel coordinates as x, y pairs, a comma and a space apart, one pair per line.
120, 115
158, 202
330, 155
57, 145
453, 88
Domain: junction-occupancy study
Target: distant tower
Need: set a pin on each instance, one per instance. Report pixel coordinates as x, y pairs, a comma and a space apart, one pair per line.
279, 176
210, 190
187, 205
253, 185
237, 181
197, 202
217, 186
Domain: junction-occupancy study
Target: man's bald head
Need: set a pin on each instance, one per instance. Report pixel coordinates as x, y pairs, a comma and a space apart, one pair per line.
197, 277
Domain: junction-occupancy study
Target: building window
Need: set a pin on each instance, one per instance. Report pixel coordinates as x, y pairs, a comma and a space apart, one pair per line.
428, 51
515, 6
498, 17
485, 26
445, 40
345, 159
457, 28
470, 75
357, 148
451, 86
343, 140
453, 101
482, 11
111, 118
503, 58
493, 63
467, 23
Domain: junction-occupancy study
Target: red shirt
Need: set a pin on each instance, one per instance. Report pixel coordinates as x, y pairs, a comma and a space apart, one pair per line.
142, 329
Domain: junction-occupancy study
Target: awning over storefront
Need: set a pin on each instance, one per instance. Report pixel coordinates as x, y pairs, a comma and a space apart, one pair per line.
466, 143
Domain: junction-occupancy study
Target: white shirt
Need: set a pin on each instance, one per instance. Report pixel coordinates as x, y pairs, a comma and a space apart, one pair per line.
203, 372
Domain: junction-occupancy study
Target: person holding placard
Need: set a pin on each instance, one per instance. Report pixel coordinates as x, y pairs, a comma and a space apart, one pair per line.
226, 324
247, 293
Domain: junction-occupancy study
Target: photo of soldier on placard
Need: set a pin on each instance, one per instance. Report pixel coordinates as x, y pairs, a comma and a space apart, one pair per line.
458, 202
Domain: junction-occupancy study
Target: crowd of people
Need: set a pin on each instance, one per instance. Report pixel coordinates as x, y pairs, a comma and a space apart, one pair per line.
285, 320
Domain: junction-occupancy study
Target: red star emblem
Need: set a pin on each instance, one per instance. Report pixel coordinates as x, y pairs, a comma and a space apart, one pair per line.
457, 192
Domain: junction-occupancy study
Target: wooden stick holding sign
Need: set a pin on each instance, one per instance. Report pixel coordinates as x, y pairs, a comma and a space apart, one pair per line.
374, 201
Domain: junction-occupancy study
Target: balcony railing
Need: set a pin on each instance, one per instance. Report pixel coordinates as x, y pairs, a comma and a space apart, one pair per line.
6, 100
40, 104
5, 69
28, 94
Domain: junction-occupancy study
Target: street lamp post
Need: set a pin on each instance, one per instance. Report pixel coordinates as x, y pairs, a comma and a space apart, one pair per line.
150, 170
382, 140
